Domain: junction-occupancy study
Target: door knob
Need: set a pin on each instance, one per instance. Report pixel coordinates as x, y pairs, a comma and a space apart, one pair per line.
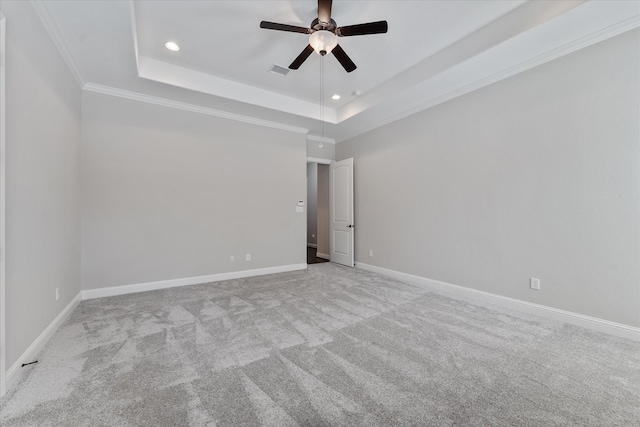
350, 225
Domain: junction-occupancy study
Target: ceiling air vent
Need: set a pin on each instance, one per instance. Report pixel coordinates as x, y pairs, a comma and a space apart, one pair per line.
281, 71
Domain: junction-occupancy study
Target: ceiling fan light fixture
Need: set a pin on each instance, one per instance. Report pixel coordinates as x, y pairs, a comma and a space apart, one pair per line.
323, 35
323, 41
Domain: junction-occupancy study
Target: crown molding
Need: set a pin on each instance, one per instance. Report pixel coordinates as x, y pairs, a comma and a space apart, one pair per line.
398, 105
134, 30
58, 40
324, 139
187, 78
135, 96
583, 42
319, 160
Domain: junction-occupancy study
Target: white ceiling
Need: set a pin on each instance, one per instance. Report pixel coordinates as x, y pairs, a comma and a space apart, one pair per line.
433, 51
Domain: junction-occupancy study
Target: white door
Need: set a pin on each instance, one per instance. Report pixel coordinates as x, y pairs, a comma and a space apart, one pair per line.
341, 212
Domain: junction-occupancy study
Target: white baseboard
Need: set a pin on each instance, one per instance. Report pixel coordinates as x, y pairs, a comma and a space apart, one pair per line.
15, 371
323, 256
163, 284
594, 323
312, 245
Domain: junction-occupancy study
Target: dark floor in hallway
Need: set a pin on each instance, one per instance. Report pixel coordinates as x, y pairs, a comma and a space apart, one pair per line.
312, 258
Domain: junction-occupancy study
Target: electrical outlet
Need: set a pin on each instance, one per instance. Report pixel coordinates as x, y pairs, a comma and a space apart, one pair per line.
371, 253
57, 294
535, 284
248, 257
232, 258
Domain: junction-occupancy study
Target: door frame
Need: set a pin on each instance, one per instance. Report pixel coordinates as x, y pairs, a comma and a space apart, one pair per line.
319, 161
351, 207
3, 338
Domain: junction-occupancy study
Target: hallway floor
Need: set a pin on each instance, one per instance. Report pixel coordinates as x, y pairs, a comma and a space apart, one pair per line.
312, 258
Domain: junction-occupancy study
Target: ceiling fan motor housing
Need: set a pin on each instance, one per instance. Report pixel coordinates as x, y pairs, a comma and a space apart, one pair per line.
316, 25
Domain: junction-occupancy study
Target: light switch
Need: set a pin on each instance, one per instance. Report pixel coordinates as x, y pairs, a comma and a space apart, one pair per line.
300, 202
299, 209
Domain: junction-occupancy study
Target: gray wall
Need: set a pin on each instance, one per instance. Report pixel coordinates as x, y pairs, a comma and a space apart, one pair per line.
534, 176
327, 151
42, 179
323, 209
312, 202
170, 194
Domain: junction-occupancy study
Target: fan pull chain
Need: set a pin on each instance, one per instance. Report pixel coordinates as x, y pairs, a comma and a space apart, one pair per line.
321, 98
322, 93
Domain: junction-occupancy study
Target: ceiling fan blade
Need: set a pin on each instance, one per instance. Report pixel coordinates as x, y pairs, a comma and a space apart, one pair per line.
301, 58
343, 59
377, 27
324, 11
283, 27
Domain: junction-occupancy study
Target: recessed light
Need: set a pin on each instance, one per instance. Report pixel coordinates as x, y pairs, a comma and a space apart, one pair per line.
172, 46
335, 97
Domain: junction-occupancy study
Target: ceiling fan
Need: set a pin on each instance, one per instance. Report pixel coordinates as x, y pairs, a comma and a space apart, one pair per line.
324, 34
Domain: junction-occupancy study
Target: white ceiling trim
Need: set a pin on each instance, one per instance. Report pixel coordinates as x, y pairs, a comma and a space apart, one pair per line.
58, 40
520, 20
319, 160
163, 72
593, 38
134, 29
135, 96
567, 28
324, 139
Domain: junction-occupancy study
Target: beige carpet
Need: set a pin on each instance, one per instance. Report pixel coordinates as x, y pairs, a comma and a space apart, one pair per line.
327, 346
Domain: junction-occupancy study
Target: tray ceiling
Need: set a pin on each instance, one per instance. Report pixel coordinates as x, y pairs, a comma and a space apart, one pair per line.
434, 51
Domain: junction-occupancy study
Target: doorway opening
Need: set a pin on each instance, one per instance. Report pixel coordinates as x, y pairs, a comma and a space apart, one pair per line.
317, 213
